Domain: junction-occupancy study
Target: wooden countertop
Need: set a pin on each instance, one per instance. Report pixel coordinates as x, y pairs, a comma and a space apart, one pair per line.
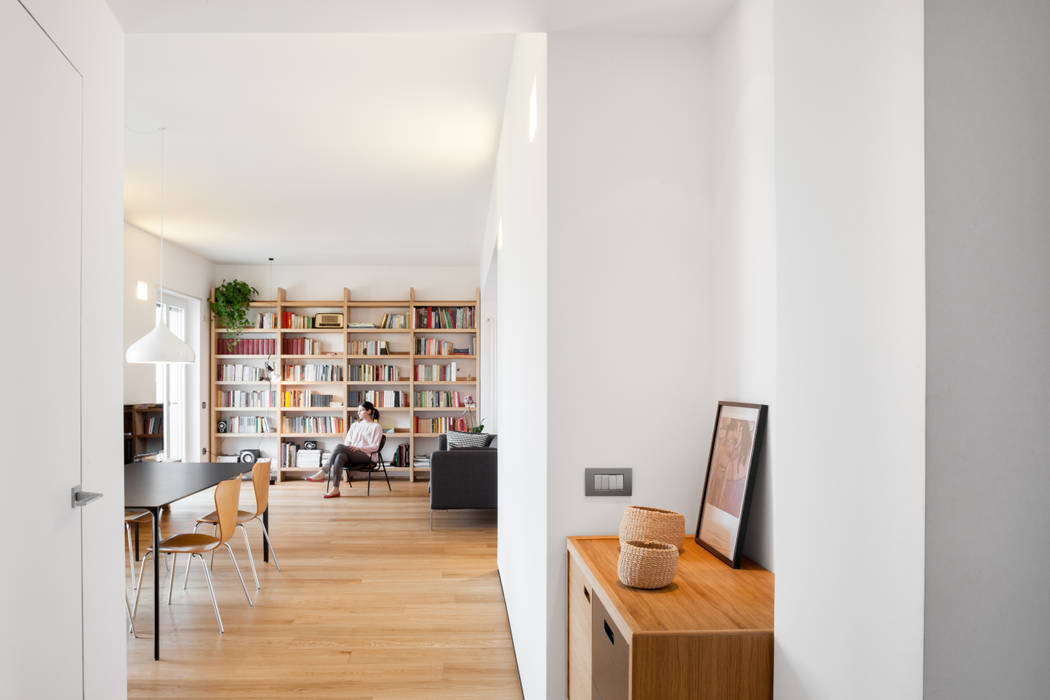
706, 596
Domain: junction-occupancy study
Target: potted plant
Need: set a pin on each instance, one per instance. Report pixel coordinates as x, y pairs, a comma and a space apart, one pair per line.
230, 305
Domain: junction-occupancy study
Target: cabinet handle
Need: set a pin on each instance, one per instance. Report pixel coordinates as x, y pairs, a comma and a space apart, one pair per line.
609, 633
586, 594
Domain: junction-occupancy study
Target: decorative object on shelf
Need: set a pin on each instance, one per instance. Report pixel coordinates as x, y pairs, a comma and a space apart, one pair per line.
271, 372
160, 345
249, 456
647, 564
309, 444
328, 320
735, 449
230, 305
468, 416
221, 427
652, 524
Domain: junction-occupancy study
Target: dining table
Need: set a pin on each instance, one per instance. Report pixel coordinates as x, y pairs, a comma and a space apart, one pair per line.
153, 485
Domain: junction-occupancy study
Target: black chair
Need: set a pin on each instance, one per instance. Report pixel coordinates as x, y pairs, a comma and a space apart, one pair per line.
379, 464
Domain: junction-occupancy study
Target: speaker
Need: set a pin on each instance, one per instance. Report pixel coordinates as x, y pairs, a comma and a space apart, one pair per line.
309, 444
221, 427
249, 456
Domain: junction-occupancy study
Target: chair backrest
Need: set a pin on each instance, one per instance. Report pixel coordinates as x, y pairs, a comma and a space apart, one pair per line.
382, 443
227, 497
261, 482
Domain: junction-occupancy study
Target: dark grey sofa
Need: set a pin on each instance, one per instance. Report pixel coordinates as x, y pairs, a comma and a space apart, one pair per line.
462, 478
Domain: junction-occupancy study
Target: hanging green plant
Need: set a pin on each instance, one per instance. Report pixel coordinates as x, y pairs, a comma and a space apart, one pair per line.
230, 307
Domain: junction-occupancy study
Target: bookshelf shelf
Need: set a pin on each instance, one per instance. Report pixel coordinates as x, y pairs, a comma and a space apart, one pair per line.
354, 311
458, 409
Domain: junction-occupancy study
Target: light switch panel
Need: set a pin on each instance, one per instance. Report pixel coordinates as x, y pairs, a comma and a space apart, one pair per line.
607, 481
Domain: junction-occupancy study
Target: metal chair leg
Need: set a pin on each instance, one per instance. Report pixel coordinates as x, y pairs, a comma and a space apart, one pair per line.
273, 552
237, 568
138, 588
251, 559
131, 552
215, 532
171, 579
387, 477
368, 492
131, 622
214, 604
186, 578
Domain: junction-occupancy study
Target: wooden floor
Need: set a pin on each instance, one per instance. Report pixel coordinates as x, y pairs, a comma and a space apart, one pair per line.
369, 604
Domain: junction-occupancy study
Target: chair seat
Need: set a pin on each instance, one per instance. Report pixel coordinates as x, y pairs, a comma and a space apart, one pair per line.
189, 542
211, 518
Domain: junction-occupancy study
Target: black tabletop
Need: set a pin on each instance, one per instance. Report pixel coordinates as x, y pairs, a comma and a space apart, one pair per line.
155, 484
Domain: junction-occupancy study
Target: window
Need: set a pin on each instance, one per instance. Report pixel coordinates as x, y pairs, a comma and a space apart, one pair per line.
171, 385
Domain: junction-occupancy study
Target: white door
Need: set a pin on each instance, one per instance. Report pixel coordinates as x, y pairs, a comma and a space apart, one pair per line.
172, 381
41, 653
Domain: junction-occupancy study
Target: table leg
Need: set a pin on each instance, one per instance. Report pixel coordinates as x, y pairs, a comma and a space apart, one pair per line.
136, 541
156, 583
266, 524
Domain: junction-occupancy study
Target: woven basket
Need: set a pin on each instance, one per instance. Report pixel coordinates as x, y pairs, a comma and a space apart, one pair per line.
652, 525
647, 564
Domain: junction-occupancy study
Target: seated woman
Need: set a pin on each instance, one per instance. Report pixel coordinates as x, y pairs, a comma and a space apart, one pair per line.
361, 441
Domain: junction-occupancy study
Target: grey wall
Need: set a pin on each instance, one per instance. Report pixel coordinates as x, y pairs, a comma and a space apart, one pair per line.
988, 364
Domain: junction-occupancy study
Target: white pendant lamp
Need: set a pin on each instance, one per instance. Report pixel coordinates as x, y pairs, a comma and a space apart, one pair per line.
160, 345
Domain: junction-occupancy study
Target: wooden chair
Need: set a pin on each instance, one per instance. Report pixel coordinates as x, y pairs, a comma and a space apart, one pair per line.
379, 464
197, 545
261, 483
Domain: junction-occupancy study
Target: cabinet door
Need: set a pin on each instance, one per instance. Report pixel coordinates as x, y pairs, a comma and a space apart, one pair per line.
579, 633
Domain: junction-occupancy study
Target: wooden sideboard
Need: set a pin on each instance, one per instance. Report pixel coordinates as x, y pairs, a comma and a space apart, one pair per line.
708, 635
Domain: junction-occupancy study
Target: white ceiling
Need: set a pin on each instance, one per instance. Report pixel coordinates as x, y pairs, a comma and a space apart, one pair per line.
502, 16
316, 148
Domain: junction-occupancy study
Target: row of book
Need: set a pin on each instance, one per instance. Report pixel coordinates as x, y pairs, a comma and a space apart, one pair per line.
247, 346
389, 399
266, 319
440, 424
400, 456
313, 424
445, 317
293, 455
293, 320
439, 399
433, 346
247, 399
249, 424
239, 373
394, 321
313, 373
436, 373
309, 399
301, 346
373, 373
153, 424
368, 347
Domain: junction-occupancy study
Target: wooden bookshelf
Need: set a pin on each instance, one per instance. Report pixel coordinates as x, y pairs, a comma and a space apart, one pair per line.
138, 440
353, 310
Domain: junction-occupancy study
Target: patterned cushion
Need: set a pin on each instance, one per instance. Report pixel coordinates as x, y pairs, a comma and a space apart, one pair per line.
459, 440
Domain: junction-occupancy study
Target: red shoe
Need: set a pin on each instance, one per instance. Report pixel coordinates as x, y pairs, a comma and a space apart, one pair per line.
332, 495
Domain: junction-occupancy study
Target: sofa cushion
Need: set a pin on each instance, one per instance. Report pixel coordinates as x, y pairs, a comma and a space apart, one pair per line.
458, 440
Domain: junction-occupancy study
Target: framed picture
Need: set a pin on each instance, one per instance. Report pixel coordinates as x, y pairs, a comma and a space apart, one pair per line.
731, 464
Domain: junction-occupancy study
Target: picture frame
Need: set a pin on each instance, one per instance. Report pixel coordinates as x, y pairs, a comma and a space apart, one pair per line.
736, 447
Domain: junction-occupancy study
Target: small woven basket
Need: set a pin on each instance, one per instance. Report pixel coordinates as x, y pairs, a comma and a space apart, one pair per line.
647, 564
652, 525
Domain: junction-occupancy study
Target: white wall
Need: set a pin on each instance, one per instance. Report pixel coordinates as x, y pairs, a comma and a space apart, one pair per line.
188, 274
90, 37
520, 201
743, 219
629, 257
988, 382
850, 374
